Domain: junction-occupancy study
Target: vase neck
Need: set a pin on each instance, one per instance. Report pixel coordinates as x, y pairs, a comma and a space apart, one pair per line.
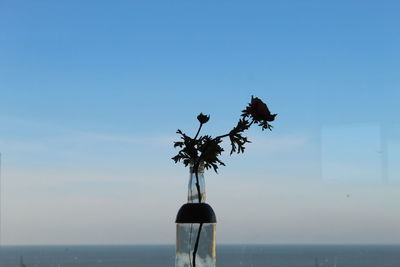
196, 190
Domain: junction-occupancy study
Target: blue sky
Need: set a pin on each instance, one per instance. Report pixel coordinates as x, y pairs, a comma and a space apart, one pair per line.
91, 94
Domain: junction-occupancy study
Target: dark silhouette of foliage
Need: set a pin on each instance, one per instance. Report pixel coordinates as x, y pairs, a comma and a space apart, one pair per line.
207, 149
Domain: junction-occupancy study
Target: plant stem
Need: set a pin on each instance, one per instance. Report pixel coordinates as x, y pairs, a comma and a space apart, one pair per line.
222, 136
196, 172
196, 246
225, 135
198, 131
190, 242
196, 166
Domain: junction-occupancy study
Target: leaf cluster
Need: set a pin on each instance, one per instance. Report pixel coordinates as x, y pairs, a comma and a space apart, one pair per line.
265, 125
237, 139
205, 149
189, 150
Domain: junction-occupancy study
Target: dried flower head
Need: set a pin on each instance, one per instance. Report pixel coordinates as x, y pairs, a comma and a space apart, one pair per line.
259, 112
203, 118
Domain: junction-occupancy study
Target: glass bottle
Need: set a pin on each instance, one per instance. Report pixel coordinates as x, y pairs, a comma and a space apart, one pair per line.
196, 226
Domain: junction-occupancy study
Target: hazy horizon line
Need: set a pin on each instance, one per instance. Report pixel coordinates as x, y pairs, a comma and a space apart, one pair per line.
222, 244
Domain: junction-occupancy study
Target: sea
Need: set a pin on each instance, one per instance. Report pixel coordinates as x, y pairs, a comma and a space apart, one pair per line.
227, 256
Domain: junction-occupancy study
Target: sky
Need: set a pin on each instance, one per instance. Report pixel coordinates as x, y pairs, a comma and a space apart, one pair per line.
92, 93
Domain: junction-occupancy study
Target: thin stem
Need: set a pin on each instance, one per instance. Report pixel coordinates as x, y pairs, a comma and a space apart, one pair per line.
196, 245
198, 131
198, 187
190, 242
225, 135
196, 172
196, 166
222, 136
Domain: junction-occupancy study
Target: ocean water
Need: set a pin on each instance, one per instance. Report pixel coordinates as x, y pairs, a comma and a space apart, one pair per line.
227, 256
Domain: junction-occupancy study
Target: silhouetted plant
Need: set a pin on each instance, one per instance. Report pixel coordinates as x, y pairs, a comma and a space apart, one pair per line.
206, 149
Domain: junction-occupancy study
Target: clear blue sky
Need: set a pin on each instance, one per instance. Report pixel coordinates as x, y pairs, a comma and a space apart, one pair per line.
92, 92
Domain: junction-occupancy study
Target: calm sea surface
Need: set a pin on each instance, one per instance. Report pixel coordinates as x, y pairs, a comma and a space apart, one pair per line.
227, 256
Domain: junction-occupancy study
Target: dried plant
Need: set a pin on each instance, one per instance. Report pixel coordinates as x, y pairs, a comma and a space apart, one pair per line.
207, 149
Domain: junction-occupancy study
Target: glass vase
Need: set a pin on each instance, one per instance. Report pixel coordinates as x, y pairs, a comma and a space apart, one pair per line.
196, 226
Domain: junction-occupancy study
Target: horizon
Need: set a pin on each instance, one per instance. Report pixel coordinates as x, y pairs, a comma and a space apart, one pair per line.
219, 244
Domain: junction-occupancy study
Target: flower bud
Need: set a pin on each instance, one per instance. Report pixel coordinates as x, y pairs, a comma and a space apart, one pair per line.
203, 118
